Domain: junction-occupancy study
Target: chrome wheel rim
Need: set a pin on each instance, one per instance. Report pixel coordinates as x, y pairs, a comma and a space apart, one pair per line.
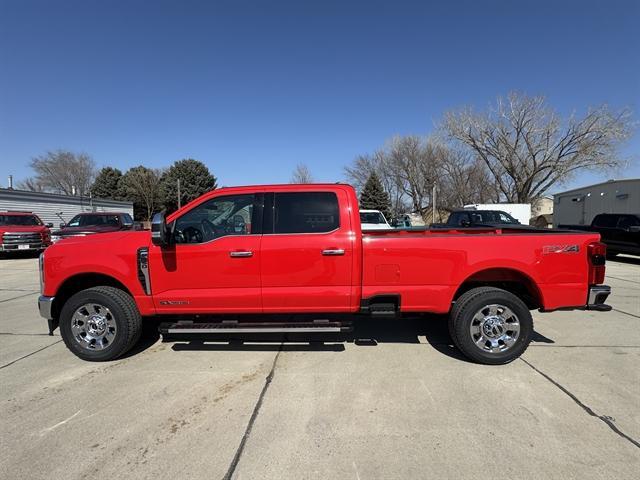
93, 326
494, 328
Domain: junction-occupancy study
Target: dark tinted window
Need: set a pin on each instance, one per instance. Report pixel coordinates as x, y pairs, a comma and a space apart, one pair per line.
94, 221
372, 217
628, 221
22, 220
458, 218
607, 221
306, 212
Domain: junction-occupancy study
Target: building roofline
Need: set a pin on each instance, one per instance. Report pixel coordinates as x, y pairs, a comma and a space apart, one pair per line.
597, 185
62, 197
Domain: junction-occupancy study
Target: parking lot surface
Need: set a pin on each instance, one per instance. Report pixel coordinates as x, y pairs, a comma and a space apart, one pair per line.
393, 400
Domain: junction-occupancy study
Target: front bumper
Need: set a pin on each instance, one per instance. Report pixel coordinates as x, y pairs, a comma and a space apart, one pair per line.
45, 305
597, 296
22, 247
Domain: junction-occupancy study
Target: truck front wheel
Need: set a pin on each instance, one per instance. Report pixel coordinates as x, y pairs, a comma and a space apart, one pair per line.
100, 323
490, 325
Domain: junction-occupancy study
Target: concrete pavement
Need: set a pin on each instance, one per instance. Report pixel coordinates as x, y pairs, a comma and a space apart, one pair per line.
402, 404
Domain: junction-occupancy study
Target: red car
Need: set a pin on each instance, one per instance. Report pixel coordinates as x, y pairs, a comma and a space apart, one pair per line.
23, 231
95, 222
299, 249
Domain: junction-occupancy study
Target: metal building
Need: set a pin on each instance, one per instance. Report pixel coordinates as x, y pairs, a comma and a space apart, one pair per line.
580, 205
54, 208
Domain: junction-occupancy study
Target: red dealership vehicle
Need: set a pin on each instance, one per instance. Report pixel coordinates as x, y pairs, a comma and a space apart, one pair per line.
23, 231
250, 252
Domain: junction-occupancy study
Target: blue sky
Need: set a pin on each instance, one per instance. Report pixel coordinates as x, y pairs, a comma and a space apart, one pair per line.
253, 88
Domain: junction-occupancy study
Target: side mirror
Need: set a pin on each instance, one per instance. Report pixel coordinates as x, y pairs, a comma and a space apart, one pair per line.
62, 224
49, 225
160, 234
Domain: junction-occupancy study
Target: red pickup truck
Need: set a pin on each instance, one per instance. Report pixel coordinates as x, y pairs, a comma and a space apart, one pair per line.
249, 252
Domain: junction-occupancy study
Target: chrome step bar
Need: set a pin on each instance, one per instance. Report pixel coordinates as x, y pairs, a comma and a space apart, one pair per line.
230, 327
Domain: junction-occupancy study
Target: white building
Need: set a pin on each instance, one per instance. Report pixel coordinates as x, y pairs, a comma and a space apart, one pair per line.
54, 208
580, 205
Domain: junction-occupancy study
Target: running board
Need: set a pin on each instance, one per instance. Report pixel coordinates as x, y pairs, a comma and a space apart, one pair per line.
188, 327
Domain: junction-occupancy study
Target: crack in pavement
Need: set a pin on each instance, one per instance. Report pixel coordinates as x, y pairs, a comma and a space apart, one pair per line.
19, 296
254, 415
626, 313
16, 290
604, 418
28, 355
29, 334
622, 279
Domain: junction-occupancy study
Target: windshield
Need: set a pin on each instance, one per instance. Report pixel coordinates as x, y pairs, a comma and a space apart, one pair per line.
22, 220
372, 217
94, 220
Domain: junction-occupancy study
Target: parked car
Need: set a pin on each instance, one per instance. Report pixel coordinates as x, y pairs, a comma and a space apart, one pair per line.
373, 220
95, 222
620, 231
520, 211
23, 231
299, 250
475, 218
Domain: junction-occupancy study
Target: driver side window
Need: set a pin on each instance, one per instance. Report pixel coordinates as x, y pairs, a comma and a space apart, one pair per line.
218, 217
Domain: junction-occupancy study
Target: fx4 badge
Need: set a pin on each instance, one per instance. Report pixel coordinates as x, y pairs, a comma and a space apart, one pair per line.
549, 249
174, 302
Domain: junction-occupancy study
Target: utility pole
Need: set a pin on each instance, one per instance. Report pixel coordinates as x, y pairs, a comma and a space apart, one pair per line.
179, 203
433, 201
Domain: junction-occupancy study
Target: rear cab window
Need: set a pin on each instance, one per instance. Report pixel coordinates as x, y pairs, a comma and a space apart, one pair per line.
302, 212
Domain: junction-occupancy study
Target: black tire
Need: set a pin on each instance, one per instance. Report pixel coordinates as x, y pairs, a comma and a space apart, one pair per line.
127, 320
462, 315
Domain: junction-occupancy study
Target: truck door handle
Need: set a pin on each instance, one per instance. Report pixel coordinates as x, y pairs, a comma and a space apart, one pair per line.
333, 252
241, 254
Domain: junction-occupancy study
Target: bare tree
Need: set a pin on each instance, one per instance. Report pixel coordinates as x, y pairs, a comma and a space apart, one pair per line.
464, 179
141, 185
64, 172
301, 174
364, 165
528, 148
31, 184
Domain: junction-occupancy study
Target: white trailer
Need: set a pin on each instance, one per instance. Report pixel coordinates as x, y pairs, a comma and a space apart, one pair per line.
519, 211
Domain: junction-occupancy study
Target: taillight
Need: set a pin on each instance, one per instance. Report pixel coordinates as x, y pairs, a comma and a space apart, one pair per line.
597, 258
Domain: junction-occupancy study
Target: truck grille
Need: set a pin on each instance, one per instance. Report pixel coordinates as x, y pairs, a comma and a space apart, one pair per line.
11, 238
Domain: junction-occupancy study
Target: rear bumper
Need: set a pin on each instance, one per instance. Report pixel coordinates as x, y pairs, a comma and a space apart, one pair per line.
597, 296
45, 305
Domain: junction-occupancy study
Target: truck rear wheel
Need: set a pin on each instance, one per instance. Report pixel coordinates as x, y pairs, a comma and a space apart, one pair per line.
490, 325
100, 323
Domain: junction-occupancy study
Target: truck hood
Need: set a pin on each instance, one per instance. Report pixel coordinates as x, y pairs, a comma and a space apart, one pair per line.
23, 228
109, 238
86, 230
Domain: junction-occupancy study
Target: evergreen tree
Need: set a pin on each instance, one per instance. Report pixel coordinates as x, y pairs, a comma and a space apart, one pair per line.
195, 179
107, 184
373, 196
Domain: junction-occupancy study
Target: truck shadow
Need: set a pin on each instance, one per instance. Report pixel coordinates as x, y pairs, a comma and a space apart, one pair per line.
430, 330
624, 259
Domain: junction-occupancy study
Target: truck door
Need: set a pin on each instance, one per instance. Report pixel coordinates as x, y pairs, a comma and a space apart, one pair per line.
306, 252
214, 265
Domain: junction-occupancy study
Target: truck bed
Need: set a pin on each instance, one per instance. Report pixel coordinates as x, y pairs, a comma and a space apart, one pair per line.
428, 266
